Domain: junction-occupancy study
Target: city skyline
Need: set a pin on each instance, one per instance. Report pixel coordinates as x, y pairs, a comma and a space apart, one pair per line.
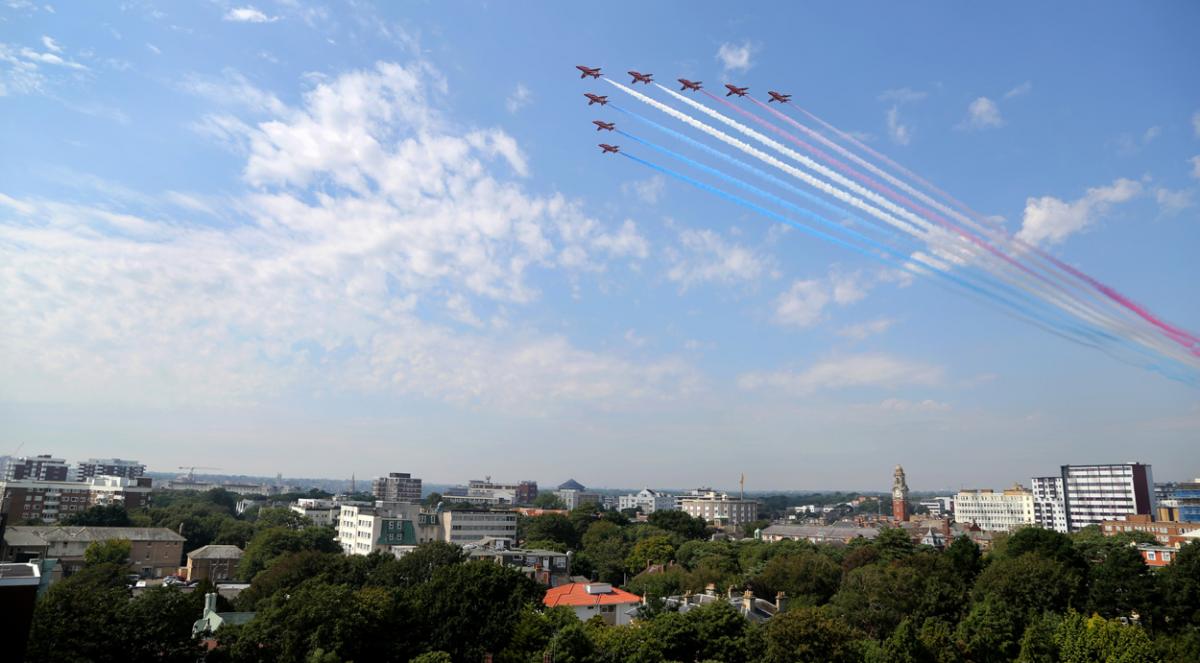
283, 239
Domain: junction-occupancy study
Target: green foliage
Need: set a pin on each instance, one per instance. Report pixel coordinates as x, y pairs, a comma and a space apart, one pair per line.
550, 527
894, 543
1180, 583
111, 551
904, 645
1082, 640
273, 542
280, 517
1122, 585
680, 524
651, 550
809, 579
965, 557
548, 501
101, 515
433, 657
808, 635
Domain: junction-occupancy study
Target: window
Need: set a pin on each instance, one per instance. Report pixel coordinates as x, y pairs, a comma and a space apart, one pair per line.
1151, 555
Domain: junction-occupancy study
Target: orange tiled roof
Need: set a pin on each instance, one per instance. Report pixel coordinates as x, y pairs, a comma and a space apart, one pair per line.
575, 593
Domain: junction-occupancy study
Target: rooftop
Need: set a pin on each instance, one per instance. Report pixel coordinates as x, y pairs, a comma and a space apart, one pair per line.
213, 551
578, 594
21, 535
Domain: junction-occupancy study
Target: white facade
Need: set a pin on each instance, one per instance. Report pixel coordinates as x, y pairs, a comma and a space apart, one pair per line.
115, 467
321, 512
1049, 503
939, 507
470, 526
995, 512
720, 508
648, 501
572, 498
1096, 493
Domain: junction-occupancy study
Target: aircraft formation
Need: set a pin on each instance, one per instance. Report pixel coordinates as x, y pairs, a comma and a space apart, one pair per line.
887, 213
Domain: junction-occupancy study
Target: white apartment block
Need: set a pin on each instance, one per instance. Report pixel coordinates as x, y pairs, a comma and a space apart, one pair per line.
720, 508
321, 512
648, 501
385, 527
397, 487
113, 467
995, 512
1049, 503
461, 527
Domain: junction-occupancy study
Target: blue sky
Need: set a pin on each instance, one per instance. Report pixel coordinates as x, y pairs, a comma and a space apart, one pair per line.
323, 239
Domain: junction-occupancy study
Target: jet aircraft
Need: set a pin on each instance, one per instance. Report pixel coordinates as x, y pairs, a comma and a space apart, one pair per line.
609, 148
640, 78
607, 126
596, 98
733, 89
779, 96
694, 86
594, 72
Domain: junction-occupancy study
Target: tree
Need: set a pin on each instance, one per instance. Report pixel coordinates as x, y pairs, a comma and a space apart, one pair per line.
1082, 640
101, 515
157, 625
809, 579
1180, 583
111, 551
275, 541
679, 523
904, 645
551, 527
79, 618
877, 597
966, 557
548, 501
432, 499
1122, 584
279, 517
808, 635
652, 550
894, 543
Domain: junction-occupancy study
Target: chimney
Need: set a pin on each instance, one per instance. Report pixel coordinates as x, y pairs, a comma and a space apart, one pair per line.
710, 589
780, 601
747, 602
210, 603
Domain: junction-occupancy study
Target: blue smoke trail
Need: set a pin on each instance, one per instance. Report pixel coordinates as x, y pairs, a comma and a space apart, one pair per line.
1151, 362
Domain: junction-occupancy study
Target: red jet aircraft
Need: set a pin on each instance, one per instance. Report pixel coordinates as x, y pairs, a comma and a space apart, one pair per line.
607, 126
694, 86
739, 91
596, 98
609, 148
779, 96
640, 78
594, 72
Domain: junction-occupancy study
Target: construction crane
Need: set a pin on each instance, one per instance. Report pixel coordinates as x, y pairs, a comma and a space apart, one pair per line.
192, 470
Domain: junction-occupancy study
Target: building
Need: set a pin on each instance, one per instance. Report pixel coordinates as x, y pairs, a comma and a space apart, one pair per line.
397, 487
363, 529
38, 468
1166, 533
527, 492
745, 603
154, 551
721, 509
215, 563
939, 507
1179, 501
110, 467
995, 512
1096, 493
572, 498
838, 534
1156, 556
48, 501
322, 513
589, 599
647, 501
548, 567
1050, 503
899, 495
18, 596
211, 621
468, 526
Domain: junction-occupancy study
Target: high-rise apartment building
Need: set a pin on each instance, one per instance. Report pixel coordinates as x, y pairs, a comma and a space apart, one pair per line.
1050, 503
397, 487
109, 467
1096, 493
995, 512
38, 468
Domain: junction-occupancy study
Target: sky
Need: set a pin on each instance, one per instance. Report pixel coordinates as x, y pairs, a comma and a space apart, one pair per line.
324, 239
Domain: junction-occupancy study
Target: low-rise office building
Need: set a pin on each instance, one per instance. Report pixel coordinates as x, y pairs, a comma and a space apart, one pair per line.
720, 509
995, 512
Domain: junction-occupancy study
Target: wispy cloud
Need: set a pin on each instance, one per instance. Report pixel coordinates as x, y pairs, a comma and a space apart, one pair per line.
519, 98
803, 304
1049, 220
1020, 90
863, 330
982, 113
903, 95
865, 370
900, 133
1195, 166
704, 256
50, 44
248, 14
1173, 202
736, 57
649, 190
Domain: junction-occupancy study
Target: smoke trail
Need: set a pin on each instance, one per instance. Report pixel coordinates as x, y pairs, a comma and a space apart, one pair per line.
1010, 309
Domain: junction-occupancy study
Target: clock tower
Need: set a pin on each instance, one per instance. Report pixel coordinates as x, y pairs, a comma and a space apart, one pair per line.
899, 495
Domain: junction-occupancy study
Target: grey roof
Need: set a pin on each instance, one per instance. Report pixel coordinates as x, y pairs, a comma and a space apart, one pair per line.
822, 532
214, 551
571, 484
30, 535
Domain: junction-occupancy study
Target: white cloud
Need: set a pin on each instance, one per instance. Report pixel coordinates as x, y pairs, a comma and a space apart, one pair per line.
705, 257
863, 330
900, 133
1173, 202
1195, 166
248, 14
153, 49
902, 405
648, 191
983, 113
633, 339
316, 286
1020, 90
50, 44
234, 90
865, 370
736, 57
1150, 134
49, 58
1049, 220
520, 97
803, 304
